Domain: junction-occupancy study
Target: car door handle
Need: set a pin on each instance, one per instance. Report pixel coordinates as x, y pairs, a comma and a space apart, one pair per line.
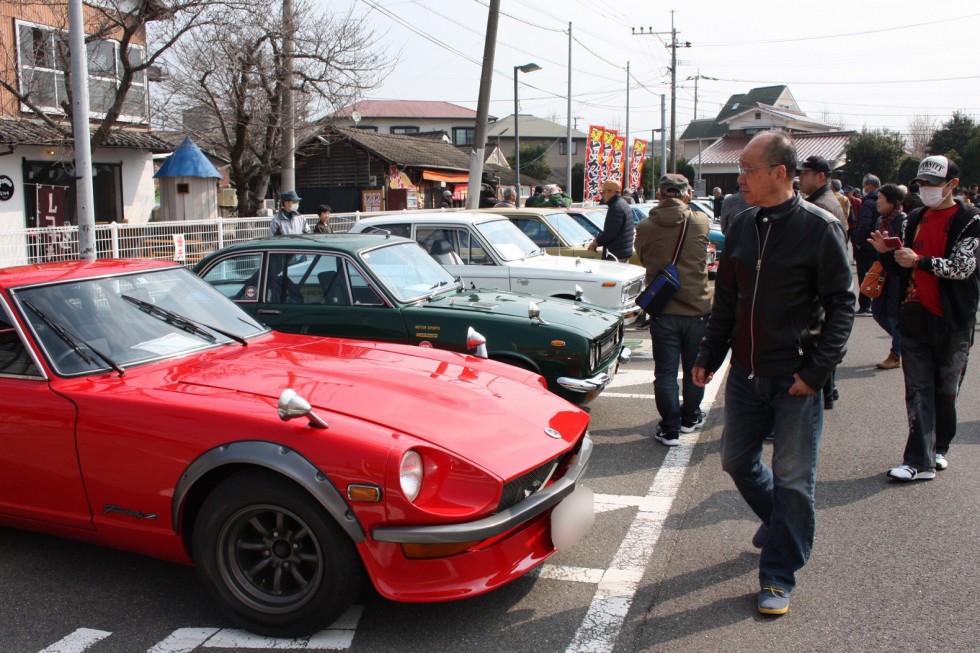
268, 311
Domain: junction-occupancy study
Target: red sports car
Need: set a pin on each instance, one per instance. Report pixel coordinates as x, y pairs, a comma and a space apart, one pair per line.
145, 411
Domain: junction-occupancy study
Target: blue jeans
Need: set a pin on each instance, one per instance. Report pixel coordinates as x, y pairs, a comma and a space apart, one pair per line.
782, 496
675, 342
933, 374
885, 312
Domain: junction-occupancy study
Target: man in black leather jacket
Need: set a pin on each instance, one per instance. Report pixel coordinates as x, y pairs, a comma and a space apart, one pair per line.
784, 304
618, 230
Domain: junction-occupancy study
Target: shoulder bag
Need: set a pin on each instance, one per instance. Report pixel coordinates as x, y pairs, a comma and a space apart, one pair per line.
665, 285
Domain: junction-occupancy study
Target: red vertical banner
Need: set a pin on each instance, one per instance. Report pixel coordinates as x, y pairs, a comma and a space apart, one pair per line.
593, 174
637, 155
618, 163
606, 161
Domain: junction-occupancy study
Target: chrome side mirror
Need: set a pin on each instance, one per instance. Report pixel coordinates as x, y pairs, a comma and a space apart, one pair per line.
578, 293
534, 312
476, 341
292, 406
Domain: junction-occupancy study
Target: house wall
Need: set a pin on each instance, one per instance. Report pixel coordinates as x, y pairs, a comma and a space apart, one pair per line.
137, 183
558, 162
384, 125
49, 15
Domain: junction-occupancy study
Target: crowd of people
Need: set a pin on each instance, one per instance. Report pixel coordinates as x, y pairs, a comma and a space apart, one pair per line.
784, 303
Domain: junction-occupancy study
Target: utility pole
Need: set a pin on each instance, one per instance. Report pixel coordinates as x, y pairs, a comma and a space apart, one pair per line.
478, 153
287, 174
697, 77
84, 196
673, 45
568, 120
627, 145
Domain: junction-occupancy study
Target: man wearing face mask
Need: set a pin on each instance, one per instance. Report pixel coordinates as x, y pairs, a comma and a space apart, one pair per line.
288, 220
940, 282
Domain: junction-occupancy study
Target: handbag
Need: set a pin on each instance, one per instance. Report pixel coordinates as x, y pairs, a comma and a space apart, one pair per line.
874, 281
665, 285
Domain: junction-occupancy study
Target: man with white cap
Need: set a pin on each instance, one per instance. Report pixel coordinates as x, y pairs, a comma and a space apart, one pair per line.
447, 200
940, 283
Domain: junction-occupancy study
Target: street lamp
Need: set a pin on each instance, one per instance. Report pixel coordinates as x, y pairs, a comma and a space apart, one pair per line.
526, 68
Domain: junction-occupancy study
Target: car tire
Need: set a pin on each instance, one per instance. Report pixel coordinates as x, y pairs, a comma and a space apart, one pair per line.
272, 558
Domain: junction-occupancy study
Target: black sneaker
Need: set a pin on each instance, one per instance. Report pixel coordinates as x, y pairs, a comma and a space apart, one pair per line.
668, 438
690, 427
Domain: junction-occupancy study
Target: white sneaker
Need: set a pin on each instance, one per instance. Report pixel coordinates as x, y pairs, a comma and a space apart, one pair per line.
907, 473
941, 462
669, 438
695, 425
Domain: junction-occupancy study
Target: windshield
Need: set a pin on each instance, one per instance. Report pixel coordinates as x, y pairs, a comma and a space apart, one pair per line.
407, 271
571, 231
104, 316
508, 240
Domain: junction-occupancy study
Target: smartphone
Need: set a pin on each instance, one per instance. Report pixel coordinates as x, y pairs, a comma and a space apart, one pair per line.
893, 242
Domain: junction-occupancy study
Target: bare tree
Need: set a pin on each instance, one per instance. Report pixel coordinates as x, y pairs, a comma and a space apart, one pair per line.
920, 130
120, 60
226, 85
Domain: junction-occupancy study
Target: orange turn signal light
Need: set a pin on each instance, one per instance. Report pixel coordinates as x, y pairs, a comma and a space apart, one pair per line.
421, 551
364, 493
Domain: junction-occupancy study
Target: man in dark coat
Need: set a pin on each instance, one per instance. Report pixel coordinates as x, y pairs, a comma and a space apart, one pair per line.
618, 231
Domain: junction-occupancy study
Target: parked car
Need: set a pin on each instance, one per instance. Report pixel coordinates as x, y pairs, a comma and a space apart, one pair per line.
489, 251
551, 229
591, 219
145, 411
375, 287
597, 219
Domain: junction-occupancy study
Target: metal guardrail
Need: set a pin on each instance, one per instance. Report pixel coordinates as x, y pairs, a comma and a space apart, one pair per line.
185, 241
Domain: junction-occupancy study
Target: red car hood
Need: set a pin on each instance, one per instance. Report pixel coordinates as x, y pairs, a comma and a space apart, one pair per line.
492, 414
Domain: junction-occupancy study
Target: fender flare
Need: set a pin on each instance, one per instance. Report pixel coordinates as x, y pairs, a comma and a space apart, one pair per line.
277, 458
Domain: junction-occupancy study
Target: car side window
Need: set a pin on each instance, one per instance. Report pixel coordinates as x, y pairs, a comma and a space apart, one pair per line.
14, 357
361, 291
326, 282
237, 277
286, 278
537, 232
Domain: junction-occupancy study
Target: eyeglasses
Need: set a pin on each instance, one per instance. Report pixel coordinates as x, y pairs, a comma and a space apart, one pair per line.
745, 171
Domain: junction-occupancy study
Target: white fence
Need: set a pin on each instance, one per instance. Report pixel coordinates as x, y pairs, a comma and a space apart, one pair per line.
185, 241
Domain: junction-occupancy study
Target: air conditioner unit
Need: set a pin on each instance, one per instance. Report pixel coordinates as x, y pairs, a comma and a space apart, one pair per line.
373, 180
269, 204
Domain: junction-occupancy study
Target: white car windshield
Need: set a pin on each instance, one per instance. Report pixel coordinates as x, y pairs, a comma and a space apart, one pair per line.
407, 271
508, 240
572, 232
92, 325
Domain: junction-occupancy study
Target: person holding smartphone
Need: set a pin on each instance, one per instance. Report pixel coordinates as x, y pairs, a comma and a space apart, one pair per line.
939, 281
891, 224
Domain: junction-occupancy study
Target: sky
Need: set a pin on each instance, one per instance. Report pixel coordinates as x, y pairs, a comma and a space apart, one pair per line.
869, 63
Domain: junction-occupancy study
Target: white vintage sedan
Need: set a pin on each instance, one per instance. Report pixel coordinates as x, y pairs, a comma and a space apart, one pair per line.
489, 251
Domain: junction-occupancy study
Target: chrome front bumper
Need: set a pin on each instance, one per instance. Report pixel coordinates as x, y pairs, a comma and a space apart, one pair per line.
501, 522
598, 382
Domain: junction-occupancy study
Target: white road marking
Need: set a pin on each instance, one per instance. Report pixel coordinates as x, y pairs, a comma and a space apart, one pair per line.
337, 637
617, 588
78, 641
183, 640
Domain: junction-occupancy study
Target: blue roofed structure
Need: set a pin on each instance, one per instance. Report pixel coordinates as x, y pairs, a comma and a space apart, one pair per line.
188, 161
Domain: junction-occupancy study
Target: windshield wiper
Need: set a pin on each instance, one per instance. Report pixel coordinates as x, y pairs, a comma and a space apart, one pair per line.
72, 341
436, 289
182, 322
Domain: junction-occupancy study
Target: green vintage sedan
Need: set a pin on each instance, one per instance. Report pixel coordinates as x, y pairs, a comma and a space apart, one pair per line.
387, 288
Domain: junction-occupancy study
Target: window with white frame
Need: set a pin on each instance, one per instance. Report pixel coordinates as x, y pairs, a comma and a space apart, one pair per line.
42, 52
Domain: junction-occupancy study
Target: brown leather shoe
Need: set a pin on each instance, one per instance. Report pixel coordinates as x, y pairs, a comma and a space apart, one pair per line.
889, 363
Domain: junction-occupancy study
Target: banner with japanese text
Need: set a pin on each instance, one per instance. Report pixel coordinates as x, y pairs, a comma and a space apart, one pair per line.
593, 167
617, 165
637, 154
608, 138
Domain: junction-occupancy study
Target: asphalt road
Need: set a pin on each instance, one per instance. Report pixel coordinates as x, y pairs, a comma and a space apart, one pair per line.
668, 565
